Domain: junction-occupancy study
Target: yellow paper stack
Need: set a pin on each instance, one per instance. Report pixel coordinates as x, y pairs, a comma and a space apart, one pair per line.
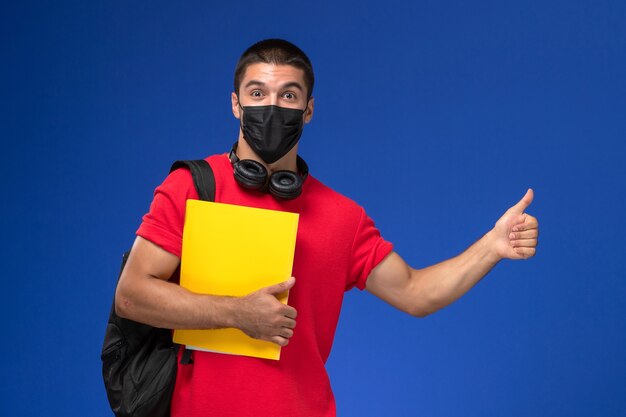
233, 251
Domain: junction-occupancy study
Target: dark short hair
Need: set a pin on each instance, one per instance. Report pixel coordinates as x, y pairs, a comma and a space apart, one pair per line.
278, 52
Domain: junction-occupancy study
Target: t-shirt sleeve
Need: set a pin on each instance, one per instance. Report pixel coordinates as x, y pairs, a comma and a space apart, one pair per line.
368, 249
163, 224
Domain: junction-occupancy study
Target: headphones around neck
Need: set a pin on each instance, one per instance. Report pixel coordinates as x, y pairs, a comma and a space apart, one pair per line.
252, 175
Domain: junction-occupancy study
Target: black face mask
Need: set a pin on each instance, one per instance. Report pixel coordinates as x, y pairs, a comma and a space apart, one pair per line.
271, 131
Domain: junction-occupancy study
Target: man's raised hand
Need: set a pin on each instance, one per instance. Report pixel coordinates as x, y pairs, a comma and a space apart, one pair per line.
515, 233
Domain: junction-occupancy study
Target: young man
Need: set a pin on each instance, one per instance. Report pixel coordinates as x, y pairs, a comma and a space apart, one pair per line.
337, 248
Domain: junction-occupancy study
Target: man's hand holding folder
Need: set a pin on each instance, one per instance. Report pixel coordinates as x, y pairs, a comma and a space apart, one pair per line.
261, 316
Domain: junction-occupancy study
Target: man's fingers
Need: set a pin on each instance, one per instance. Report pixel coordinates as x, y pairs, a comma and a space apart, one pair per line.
524, 243
525, 252
525, 222
525, 234
280, 287
286, 333
524, 202
279, 340
287, 322
283, 336
290, 312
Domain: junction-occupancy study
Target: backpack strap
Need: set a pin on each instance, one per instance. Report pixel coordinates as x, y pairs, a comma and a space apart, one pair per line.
204, 181
203, 177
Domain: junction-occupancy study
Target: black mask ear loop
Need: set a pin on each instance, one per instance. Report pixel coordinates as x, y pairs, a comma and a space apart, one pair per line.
306, 107
240, 113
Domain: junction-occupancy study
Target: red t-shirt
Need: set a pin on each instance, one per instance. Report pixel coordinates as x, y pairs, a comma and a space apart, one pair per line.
337, 246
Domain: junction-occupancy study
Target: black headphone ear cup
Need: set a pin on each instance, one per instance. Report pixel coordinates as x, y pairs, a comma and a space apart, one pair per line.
285, 184
250, 174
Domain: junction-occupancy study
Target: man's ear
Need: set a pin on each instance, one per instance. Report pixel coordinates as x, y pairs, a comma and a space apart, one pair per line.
308, 114
234, 101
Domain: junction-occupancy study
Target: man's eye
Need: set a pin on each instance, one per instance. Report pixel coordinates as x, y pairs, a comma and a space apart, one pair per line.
256, 93
289, 96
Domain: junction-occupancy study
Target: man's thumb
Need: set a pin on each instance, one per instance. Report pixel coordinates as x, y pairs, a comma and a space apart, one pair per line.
524, 202
281, 286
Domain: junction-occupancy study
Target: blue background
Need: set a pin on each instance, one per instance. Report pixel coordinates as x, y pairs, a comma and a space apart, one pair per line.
436, 116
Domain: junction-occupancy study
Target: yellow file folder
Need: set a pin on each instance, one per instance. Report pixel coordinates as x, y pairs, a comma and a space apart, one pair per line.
233, 251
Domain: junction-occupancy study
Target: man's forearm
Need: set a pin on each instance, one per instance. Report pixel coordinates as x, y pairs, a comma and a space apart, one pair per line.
166, 305
144, 294
163, 304
423, 291
443, 283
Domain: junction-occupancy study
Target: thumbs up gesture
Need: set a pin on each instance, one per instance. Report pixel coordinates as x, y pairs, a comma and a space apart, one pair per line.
515, 233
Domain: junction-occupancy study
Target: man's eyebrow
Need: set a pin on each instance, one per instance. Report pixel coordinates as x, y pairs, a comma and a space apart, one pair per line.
293, 84
257, 83
254, 83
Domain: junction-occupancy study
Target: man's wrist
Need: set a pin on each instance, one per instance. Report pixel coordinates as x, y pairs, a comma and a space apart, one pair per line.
222, 312
491, 247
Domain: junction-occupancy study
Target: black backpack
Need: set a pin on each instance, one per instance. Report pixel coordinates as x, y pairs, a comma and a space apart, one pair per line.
138, 360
